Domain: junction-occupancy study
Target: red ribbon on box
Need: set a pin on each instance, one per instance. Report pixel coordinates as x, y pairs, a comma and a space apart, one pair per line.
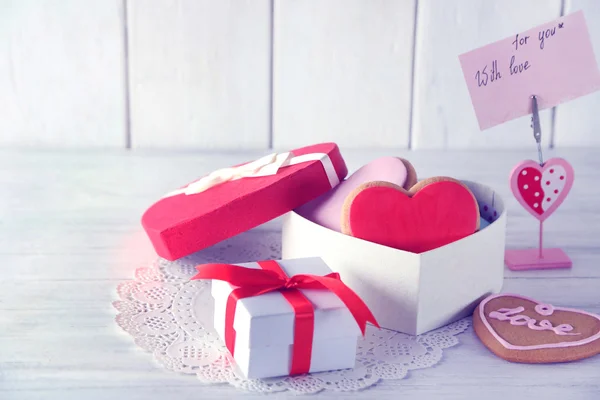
271, 278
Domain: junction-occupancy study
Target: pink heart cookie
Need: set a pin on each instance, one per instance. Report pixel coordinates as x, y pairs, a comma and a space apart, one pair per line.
326, 210
541, 189
520, 329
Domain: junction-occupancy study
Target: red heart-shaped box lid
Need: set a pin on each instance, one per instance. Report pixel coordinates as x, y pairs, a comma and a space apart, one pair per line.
185, 223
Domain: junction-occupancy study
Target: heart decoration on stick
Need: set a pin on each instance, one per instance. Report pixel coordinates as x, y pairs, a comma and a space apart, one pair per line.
542, 189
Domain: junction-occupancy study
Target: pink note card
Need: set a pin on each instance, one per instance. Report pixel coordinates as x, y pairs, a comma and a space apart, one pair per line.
554, 61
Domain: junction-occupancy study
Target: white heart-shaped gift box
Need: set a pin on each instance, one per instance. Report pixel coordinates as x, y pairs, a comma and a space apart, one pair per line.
408, 292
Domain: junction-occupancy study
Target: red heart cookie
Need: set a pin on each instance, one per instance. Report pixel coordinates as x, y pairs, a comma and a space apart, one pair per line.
524, 330
433, 213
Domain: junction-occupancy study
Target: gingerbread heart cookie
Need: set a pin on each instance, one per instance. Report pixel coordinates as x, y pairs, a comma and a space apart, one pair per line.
523, 330
434, 212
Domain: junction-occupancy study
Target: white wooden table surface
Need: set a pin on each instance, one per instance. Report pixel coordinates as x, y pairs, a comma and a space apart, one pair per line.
70, 232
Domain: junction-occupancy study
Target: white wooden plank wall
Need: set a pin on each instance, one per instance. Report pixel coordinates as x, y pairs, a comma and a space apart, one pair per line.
578, 122
254, 74
62, 73
199, 73
342, 72
443, 113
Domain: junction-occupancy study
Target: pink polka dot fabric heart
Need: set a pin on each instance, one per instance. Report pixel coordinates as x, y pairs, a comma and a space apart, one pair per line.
541, 189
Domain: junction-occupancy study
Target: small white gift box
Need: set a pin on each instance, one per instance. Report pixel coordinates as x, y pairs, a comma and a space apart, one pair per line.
408, 292
264, 325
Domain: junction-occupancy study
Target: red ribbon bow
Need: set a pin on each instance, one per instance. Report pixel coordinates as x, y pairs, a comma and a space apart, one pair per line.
254, 282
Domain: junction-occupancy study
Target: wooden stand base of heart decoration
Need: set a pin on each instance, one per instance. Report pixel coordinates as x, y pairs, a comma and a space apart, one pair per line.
528, 259
540, 189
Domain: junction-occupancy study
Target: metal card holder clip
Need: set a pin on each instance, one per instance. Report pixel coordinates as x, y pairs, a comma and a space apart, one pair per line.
537, 128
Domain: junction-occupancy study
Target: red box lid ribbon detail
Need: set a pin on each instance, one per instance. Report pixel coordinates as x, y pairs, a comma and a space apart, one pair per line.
264, 166
254, 282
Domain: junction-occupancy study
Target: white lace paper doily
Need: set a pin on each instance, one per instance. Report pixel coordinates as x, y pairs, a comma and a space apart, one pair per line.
160, 310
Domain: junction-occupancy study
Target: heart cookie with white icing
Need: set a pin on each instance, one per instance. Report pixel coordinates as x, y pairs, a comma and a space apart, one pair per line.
520, 329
